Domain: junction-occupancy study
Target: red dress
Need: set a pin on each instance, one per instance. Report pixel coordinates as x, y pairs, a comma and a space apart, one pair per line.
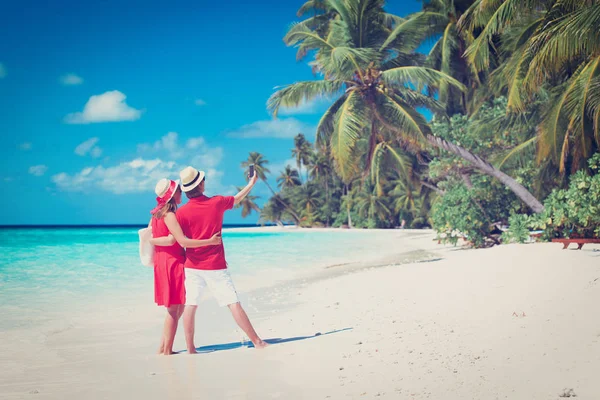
169, 275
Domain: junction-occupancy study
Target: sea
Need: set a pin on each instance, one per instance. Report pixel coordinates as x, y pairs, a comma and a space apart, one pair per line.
47, 271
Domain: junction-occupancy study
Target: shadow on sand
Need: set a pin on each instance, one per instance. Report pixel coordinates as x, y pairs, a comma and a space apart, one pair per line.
236, 345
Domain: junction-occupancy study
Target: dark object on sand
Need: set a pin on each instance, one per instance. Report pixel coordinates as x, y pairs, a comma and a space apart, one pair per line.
580, 242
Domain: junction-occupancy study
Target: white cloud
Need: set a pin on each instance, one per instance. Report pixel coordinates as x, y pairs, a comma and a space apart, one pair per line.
106, 107
200, 102
89, 147
38, 170
71, 79
316, 106
96, 152
133, 176
283, 128
195, 151
3, 72
162, 159
25, 146
277, 167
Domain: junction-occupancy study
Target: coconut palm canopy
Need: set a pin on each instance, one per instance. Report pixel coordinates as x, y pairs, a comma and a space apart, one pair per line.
513, 87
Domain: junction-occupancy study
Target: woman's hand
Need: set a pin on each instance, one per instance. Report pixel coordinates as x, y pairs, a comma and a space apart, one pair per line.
216, 240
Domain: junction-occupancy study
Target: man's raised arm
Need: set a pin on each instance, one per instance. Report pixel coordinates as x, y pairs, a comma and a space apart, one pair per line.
244, 192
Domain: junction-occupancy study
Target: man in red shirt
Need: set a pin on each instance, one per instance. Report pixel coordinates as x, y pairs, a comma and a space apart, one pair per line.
201, 218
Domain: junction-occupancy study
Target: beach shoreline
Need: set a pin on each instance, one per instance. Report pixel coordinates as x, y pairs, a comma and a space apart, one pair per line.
434, 322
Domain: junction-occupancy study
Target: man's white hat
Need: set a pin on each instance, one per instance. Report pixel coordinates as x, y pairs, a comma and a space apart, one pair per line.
190, 178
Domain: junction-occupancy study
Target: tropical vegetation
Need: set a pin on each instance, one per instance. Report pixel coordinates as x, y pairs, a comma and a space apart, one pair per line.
501, 113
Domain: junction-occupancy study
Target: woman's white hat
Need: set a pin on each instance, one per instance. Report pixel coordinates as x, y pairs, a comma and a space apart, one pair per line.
190, 178
165, 189
163, 186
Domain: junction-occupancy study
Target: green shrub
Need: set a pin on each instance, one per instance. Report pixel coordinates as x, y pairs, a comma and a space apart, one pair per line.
575, 211
458, 215
518, 229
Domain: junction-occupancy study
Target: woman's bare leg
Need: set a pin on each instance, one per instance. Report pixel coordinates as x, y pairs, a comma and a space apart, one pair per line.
161, 348
170, 329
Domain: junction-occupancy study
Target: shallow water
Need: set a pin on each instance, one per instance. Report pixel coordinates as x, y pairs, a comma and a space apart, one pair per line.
46, 271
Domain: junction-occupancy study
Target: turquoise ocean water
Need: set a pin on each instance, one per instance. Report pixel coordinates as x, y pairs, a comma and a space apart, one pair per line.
45, 271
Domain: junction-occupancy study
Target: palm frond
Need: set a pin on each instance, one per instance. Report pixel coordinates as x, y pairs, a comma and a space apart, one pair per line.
568, 38
411, 32
401, 118
419, 77
297, 93
311, 5
350, 120
376, 167
449, 46
327, 122
517, 150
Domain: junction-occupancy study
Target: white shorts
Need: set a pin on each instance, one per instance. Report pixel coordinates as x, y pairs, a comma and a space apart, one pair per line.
218, 281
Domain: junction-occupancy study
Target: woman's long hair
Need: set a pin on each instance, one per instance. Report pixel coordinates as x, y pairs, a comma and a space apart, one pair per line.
171, 206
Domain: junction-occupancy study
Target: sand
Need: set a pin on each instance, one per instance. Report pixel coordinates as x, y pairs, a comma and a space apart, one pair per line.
514, 321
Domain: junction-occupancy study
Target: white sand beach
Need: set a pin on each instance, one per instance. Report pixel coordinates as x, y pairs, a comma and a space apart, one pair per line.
410, 320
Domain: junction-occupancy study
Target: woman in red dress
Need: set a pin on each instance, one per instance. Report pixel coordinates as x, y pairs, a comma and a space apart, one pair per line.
169, 257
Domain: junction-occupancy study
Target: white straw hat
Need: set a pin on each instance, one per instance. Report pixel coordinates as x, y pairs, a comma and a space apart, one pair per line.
190, 178
163, 186
165, 189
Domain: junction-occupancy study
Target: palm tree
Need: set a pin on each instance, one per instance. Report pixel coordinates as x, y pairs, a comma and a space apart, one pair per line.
272, 211
289, 178
372, 205
248, 204
261, 170
378, 93
302, 152
554, 51
404, 195
260, 167
307, 198
321, 169
438, 21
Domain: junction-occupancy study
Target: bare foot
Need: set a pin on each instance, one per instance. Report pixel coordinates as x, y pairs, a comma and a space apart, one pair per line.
193, 351
261, 344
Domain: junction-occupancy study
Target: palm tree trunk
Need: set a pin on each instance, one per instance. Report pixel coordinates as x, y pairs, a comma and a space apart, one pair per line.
348, 210
282, 203
519, 190
327, 196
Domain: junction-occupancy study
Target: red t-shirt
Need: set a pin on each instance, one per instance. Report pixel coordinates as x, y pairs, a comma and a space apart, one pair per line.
201, 218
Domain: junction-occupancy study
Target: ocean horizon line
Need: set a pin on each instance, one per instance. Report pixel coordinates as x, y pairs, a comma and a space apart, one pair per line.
100, 226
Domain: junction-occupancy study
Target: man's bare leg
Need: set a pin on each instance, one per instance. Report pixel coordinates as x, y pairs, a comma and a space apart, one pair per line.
241, 318
189, 326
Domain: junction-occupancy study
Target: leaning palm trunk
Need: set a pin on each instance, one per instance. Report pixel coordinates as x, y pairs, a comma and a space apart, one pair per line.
287, 207
519, 190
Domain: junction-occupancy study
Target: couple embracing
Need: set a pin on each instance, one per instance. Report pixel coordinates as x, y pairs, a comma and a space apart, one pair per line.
189, 255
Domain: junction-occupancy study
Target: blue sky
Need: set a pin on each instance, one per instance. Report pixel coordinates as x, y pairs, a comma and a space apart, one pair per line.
98, 100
